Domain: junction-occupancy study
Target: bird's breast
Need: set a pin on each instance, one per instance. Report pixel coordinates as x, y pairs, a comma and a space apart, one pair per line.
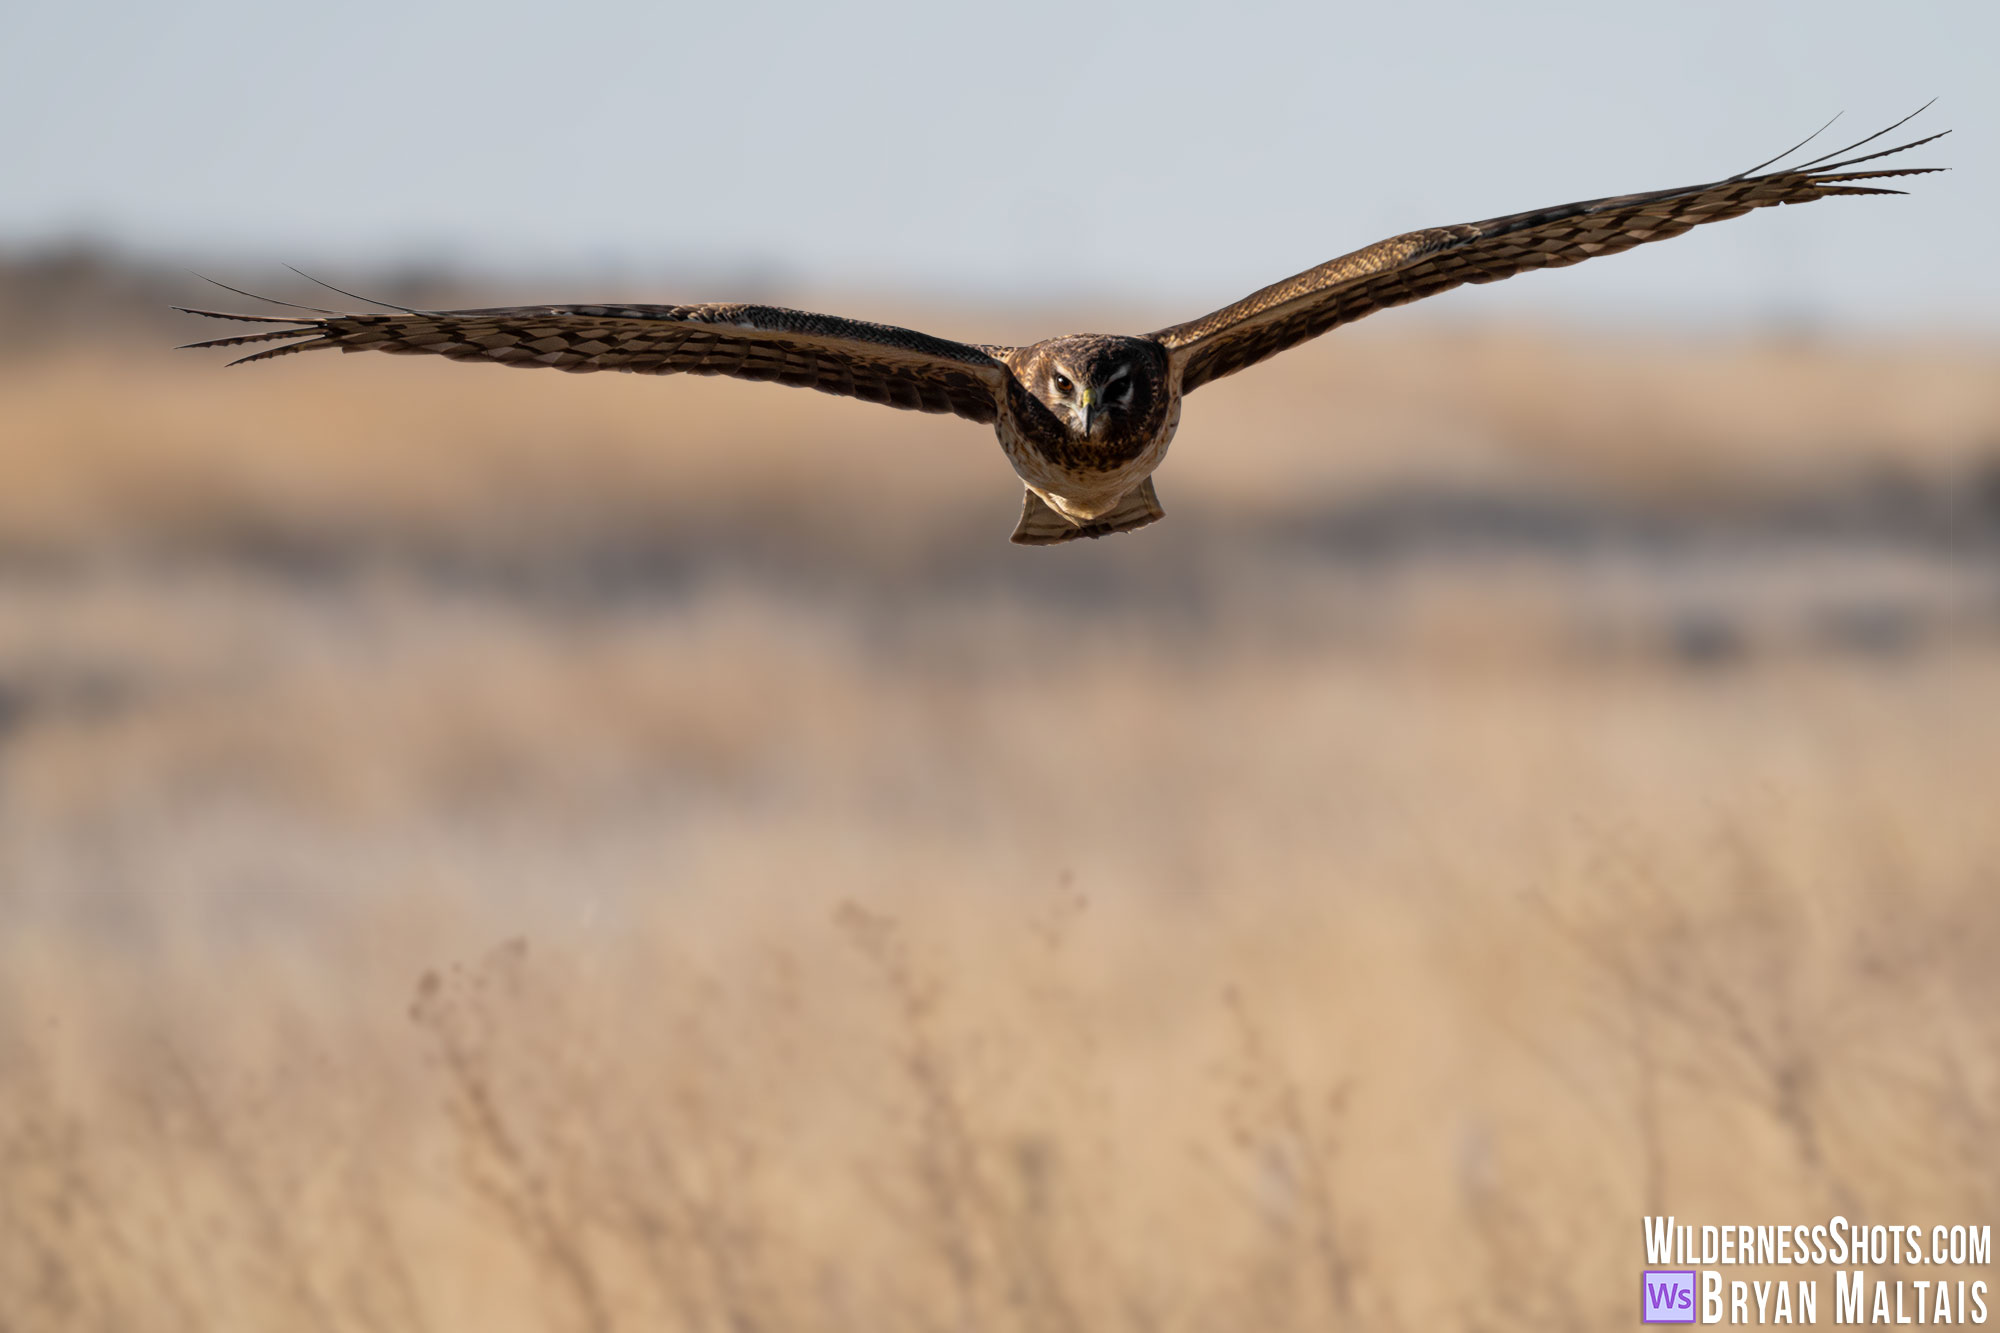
1081, 476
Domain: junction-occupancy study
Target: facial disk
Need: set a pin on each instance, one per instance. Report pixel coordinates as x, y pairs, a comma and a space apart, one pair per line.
1094, 393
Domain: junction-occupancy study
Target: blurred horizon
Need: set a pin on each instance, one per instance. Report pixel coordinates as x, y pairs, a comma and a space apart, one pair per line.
1044, 154
1380, 441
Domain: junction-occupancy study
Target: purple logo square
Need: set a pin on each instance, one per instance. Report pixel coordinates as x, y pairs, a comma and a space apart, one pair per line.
1667, 1298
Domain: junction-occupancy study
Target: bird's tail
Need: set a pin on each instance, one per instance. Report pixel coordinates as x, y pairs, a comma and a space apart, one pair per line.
1041, 525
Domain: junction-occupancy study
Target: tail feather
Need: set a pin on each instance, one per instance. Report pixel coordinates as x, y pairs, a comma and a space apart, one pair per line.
1041, 525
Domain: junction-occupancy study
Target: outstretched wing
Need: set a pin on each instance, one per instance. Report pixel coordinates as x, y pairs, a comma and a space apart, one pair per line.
875, 362
1423, 263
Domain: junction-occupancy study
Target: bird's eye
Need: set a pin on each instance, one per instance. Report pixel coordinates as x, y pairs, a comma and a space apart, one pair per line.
1063, 386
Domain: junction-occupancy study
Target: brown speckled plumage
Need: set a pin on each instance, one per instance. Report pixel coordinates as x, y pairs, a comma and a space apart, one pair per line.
878, 363
1085, 418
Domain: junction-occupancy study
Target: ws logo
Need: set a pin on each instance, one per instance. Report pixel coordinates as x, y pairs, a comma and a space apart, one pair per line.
1668, 1298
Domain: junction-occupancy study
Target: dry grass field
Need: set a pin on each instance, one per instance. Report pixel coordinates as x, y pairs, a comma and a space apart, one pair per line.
485, 851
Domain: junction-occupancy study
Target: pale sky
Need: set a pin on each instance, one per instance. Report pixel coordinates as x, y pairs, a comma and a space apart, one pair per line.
1167, 154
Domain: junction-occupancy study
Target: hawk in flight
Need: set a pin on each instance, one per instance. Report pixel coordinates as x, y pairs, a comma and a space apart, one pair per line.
1083, 418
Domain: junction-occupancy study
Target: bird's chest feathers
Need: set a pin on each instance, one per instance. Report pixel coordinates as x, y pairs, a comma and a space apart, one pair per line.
1083, 479
1053, 457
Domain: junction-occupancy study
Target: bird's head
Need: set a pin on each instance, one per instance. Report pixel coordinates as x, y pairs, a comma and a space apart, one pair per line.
1101, 388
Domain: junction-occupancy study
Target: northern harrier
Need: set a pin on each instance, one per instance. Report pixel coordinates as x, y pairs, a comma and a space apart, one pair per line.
1083, 418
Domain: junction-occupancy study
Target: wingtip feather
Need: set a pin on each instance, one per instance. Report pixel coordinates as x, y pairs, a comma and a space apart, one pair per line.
239, 339
303, 345
243, 319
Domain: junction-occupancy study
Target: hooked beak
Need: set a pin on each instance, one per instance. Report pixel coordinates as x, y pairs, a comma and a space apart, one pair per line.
1089, 413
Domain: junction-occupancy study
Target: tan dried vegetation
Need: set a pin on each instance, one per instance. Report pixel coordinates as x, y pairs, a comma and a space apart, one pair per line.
841, 930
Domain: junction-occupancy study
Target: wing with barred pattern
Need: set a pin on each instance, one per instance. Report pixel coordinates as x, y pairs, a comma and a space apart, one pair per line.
1423, 263
877, 363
